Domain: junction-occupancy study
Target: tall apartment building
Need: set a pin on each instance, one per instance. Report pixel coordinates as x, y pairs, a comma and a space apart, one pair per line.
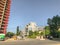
4, 14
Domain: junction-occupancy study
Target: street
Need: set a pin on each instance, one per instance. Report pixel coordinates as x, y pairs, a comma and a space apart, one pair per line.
30, 42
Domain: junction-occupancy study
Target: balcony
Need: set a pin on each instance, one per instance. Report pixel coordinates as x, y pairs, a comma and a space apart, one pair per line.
2, 3
0, 16
5, 19
4, 27
1, 12
6, 16
1, 7
7, 9
0, 20
1, 29
4, 23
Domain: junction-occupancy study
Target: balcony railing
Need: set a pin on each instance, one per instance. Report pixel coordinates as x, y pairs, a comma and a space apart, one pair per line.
1, 5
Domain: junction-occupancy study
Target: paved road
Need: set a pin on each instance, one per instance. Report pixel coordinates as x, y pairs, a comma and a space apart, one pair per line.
30, 42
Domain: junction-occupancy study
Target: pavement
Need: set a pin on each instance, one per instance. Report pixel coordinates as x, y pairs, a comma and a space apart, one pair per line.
30, 42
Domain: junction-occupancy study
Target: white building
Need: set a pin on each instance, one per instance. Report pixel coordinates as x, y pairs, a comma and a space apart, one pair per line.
32, 26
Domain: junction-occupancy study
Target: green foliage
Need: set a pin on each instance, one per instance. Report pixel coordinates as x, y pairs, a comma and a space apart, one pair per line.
41, 33
10, 34
54, 25
35, 33
30, 33
47, 30
33, 36
17, 32
58, 33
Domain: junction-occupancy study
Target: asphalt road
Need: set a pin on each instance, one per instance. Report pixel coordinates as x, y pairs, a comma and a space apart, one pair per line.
30, 42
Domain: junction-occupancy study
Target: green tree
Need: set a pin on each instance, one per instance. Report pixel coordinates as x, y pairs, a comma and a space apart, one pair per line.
41, 34
30, 33
58, 33
10, 34
36, 33
33, 34
17, 32
47, 30
54, 25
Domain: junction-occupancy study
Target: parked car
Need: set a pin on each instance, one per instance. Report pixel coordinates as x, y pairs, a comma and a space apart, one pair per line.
50, 37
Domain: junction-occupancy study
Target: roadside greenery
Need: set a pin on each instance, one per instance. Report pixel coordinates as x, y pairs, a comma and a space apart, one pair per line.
47, 31
54, 25
10, 34
35, 33
58, 33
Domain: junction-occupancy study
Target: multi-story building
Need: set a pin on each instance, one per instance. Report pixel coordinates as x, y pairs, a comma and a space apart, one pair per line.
32, 26
4, 14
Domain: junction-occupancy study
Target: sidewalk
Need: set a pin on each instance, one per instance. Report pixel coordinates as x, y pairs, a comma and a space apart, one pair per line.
10, 40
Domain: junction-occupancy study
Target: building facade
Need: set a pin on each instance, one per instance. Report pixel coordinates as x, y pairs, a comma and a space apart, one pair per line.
4, 14
32, 26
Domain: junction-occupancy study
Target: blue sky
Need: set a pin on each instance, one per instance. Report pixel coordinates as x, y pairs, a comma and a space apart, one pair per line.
24, 11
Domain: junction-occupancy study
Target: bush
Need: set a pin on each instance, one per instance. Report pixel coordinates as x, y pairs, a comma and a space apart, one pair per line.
10, 34
58, 34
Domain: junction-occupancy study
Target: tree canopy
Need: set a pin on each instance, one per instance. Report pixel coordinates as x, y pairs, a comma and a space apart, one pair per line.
47, 30
54, 24
10, 34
